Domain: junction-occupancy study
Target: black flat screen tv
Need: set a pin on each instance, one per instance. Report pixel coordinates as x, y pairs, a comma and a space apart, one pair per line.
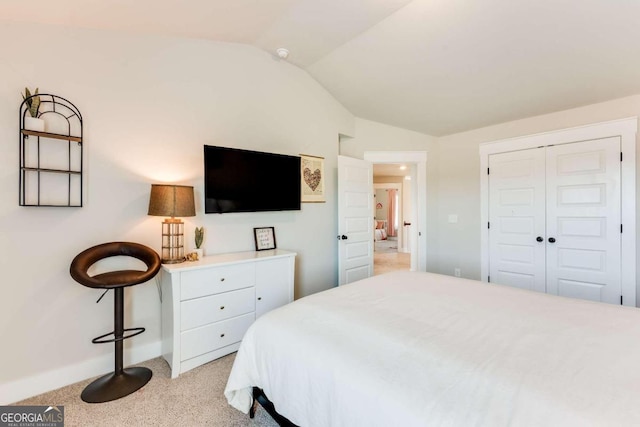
250, 181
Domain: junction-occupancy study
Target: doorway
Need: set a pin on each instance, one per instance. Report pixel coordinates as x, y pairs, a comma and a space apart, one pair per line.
355, 218
411, 239
392, 211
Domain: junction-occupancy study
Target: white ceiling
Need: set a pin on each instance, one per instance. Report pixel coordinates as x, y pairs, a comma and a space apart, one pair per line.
434, 66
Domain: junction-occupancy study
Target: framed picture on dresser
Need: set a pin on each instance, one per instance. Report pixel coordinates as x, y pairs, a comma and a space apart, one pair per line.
265, 238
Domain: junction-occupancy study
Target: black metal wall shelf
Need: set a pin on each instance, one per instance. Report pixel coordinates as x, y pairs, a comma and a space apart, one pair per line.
52, 135
51, 171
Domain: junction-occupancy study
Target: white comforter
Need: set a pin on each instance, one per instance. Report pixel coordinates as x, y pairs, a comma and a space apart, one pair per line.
420, 349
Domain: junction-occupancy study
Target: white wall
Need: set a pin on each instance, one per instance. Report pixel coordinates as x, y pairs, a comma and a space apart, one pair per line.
149, 105
459, 176
373, 136
453, 173
381, 198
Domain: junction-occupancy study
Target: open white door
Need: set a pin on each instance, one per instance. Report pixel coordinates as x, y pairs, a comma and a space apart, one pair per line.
355, 219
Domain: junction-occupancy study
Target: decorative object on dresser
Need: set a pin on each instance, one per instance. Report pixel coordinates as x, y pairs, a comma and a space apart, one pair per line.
208, 305
198, 239
265, 238
191, 256
312, 172
121, 382
50, 169
172, 201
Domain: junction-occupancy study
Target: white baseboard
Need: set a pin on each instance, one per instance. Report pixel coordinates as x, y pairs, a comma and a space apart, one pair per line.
34, 385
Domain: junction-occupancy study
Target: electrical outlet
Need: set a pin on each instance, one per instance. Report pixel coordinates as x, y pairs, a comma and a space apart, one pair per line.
456, 272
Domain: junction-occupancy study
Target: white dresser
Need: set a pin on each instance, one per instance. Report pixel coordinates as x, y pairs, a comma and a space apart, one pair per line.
208, 305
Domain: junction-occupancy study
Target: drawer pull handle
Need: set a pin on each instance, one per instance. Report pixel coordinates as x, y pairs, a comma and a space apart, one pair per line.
221, 335
259, 298
222, 279
222, 307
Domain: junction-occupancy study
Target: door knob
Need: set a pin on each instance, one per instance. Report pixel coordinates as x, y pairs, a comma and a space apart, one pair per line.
539, 239
342, 237
552, 240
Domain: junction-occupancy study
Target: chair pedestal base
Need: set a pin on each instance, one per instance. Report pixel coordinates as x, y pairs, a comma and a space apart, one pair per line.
114, 386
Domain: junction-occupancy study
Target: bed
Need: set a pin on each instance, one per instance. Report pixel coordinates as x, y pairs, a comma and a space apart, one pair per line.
421, 349
380, 232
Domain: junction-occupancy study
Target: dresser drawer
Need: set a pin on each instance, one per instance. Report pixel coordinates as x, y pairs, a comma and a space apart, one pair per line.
209, 281
214, 336
213, 308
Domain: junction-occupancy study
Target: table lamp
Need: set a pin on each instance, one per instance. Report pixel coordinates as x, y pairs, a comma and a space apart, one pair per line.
172, 201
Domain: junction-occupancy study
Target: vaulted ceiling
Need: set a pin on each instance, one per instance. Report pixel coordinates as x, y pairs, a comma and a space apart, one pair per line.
434, 66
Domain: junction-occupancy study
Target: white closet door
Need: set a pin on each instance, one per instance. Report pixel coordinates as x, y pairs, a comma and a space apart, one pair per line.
583, 220
517, 219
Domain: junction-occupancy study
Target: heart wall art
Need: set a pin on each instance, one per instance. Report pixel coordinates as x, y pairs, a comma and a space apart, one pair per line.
312, 174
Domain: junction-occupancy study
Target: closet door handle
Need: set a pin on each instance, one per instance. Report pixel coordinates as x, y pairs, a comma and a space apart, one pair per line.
552, 240
539, 239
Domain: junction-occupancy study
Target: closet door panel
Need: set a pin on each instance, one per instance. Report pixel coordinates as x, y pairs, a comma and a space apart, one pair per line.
583, 217
517, 219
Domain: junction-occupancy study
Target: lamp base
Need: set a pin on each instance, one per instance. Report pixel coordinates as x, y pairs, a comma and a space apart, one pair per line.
173, 261
172, 241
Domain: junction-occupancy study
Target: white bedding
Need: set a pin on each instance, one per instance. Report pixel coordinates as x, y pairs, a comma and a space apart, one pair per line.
420, 349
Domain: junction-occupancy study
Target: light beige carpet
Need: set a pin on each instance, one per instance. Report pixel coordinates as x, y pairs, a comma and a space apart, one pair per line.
195, 398
386, 246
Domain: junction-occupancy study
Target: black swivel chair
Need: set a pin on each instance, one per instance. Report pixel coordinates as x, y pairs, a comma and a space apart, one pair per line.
122, 381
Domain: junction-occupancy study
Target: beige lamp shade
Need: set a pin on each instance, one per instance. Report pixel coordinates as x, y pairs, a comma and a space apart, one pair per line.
171, 200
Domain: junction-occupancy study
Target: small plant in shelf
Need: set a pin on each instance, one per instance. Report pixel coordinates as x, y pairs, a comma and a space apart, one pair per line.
32, 102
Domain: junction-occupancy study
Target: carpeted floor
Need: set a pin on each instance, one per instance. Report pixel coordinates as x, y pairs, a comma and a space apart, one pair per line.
386, 246
195, 398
